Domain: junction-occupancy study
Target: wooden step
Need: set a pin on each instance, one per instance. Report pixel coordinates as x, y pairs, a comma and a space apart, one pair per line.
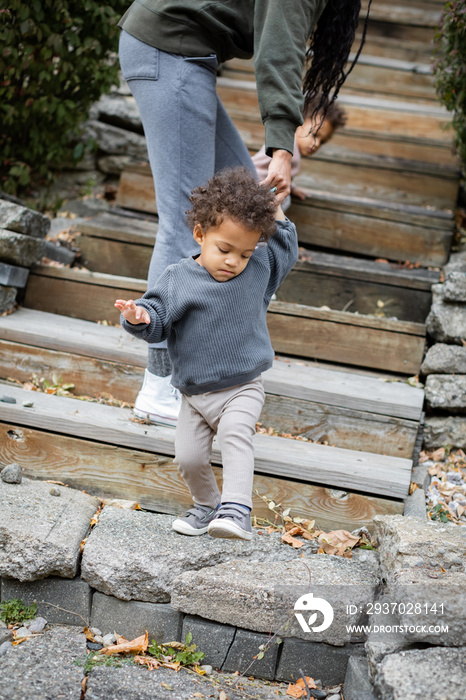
123, 246
355, 224
305, 331
65, 439
346, 409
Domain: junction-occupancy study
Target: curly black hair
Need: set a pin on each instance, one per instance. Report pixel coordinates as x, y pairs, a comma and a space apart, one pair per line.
233, 193
329, 50
335, 113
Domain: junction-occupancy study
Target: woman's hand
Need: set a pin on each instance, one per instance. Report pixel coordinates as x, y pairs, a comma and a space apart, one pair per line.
279, 173
132, 313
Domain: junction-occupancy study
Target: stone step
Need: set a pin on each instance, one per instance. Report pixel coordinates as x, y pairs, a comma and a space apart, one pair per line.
295, 329
99, 448
115, 244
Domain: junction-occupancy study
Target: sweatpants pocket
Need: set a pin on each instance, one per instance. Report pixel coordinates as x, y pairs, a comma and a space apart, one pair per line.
138, 60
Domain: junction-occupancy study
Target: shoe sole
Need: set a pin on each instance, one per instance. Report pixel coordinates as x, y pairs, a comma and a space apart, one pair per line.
227, 530
154, 418
185, 529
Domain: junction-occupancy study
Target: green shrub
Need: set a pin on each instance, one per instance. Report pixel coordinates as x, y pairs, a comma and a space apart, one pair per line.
450, 68
55, 61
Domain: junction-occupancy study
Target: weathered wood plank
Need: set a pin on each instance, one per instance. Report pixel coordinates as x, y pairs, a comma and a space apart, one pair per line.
154, 482
117, 228
331, 228
115, 257
304, 286
341, 427
298, 380
91, 376
387, 344
128, 195
274, 456
353, 344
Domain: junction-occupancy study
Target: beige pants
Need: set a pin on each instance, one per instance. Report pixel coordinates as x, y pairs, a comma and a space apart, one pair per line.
231, 414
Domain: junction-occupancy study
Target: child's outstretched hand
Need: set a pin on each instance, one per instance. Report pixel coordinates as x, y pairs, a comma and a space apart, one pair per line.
132, 313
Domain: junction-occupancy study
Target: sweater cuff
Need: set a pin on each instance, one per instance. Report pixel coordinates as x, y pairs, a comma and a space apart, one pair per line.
279, 133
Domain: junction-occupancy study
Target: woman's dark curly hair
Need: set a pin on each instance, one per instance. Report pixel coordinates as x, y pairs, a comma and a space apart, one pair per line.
233, 193
329, 50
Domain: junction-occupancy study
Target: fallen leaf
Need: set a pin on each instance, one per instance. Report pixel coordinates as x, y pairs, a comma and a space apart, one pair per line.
337, 541
438, 455
291, 540
136, 645
298, 690
222, 695
166, 686
89, 635
201, 672
148, 661
84, 685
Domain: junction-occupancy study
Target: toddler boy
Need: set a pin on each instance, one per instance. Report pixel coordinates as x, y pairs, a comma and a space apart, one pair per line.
212, 310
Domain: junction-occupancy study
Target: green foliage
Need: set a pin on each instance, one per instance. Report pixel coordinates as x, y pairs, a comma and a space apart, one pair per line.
450, 68
14, 611
185, 655
56, 60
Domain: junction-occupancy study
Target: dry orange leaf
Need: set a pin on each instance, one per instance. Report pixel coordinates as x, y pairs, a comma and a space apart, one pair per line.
337, 541
291, 540
89, 635
298, 690
136, 645
438, 454
148, 661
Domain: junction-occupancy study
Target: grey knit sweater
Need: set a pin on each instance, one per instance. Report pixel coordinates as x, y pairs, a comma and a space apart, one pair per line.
216, 331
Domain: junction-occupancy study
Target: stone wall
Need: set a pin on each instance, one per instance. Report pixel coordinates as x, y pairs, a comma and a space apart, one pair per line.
444, 367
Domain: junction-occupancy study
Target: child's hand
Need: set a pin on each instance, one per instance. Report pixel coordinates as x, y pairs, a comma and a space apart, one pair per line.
296, 192
132, 313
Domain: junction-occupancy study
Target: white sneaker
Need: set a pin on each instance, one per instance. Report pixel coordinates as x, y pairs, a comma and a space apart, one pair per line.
158, 401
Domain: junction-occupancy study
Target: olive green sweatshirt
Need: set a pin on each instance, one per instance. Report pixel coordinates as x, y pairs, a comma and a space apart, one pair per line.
275, 32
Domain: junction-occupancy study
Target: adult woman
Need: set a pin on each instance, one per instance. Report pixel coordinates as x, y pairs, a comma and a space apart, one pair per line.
169, 53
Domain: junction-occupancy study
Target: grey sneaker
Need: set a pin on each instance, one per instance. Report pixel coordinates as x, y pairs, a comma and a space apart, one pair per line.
195, 520
231, 522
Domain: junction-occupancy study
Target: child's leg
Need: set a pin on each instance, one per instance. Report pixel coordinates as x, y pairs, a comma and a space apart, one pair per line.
193, 446
236, 427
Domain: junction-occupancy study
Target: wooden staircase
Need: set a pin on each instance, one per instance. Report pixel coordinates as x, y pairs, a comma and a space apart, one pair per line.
348, 321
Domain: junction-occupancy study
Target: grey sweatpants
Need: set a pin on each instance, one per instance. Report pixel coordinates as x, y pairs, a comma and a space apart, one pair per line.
189, 137
232, 415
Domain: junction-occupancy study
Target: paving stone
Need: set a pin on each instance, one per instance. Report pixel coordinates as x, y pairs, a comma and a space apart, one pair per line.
210, 637
113, 140
13, 275
59, 253
444, 430
446, 322
7, 298
18, 249
447, 392
445, 359
454, 288
456, 263
421, 476
357, 682
404, 543
41, 535
133, 618
135, 555
131, 683
386, 635
60, 601
434, 673
23, 220
43, 667
6, 635
246, 645
260, 596
119, 111
315, 659
431, 605
415, 505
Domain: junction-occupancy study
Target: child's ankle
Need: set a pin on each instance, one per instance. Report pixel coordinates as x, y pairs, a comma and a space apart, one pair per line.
241, 505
